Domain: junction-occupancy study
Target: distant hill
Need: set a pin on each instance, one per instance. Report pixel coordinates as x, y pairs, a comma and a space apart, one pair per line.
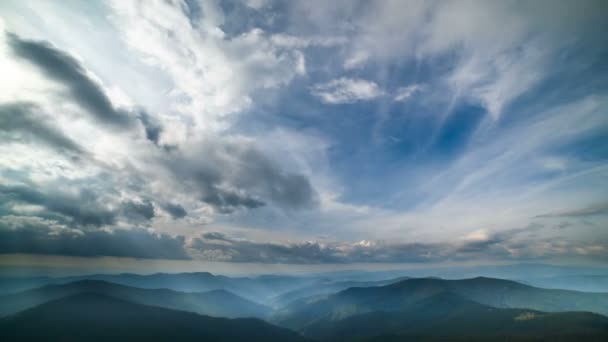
259, 288
219, 303
402, 295
95, 317
586, 283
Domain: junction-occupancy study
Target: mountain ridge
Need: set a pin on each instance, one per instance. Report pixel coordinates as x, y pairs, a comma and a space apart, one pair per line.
219, 303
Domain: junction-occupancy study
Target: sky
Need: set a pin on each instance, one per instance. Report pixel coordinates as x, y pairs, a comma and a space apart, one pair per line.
303, 132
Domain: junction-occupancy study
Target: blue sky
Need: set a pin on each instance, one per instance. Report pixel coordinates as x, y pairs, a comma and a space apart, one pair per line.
305, 132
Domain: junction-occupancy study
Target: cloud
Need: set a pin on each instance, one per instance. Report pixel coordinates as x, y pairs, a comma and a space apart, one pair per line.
216, 246
80, 209
138, 211
218, 90
214, 73
291, 41
346, 90
592, 210
74, 206
404, 93
151, 126
521, 244
231, 174
19, 235
65, 69
22, 122
124, 180
175, 210
485, 70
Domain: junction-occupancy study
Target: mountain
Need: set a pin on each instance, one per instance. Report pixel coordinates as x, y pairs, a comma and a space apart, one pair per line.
426, 311
325, 288
401, 295
586, 283
219, 303
95, 317
450, 316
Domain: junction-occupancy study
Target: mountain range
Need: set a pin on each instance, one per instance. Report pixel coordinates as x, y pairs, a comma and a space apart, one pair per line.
321, 308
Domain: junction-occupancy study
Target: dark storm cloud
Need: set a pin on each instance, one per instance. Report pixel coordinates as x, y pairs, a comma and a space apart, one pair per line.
498, 243
232, 175
226, 201
205, 177
63, 68
151, 126
592, 210
82, 209
215, 236
507, 245
289, 190
481, 245
175, 210
219, 247
138, 211
38, 238
23, 122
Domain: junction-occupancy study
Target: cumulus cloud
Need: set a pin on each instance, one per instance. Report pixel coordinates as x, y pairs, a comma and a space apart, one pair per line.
346, 90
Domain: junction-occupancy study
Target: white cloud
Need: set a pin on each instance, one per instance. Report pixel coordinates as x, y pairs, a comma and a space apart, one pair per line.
213, 75
356, 60
291, 41
346, 90
404, 93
